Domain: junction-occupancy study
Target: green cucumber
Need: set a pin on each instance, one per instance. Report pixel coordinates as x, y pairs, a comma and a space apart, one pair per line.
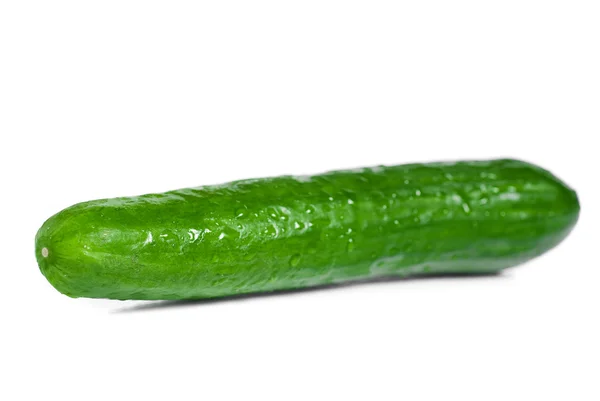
291, 232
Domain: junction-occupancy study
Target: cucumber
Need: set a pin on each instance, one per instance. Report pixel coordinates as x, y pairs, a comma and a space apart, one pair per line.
288, 232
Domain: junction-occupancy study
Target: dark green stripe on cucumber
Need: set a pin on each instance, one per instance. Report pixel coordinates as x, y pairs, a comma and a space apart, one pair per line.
295, 232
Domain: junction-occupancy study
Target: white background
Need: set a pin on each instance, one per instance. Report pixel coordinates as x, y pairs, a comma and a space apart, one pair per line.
109, 98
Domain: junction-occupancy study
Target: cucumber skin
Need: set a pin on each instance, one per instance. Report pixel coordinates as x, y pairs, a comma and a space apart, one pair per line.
289, 232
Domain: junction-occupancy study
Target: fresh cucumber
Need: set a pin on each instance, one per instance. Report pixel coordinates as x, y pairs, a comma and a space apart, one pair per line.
294, 232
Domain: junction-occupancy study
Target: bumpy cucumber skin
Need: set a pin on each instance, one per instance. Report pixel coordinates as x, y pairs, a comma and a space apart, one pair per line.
294, 232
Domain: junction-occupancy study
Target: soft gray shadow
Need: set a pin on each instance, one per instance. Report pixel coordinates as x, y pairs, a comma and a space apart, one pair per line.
162, 305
